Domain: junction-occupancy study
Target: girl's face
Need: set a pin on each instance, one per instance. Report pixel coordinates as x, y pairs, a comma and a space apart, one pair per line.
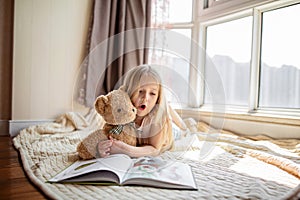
146, 95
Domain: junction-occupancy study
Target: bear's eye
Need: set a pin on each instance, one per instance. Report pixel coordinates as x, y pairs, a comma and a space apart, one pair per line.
119, 110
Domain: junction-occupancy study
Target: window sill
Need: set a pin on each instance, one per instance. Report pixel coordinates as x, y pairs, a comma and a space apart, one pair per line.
265, 116
244, 123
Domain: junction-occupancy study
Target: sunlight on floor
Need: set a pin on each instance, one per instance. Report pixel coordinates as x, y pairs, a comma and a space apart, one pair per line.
214, 152
194, 149
260, 169
204, 156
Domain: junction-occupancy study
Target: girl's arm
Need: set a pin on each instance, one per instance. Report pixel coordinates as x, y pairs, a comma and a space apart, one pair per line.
156, 144
177, 119
132, 151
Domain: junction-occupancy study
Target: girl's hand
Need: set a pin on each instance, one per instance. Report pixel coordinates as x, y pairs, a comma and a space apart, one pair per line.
104, 148
119, 147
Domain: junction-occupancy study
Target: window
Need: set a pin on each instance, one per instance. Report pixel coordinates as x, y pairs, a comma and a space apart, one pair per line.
252, 45
280, 61
228, 45
176, 8
172, 62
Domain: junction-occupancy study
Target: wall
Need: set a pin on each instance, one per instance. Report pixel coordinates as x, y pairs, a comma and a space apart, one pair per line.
49, 46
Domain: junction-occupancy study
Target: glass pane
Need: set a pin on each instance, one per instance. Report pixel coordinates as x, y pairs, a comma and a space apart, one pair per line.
280, 60
180, 11
174, 66
175, 11
229, 48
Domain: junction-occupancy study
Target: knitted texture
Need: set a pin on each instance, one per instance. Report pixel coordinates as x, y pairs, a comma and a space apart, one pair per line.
225, 166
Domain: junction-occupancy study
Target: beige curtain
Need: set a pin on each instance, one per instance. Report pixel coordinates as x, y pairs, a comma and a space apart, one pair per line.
118, 41
6, 52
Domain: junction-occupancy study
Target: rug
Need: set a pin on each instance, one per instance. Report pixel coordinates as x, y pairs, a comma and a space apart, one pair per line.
225, 165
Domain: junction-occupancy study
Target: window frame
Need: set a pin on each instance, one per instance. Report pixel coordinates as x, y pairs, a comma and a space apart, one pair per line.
228, 10
255, 66
203, 36
253, 81
210, 12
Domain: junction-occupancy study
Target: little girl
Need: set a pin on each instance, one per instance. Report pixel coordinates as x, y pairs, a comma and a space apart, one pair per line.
153, 120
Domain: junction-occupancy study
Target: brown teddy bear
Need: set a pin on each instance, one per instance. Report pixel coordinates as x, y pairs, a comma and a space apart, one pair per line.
119, 114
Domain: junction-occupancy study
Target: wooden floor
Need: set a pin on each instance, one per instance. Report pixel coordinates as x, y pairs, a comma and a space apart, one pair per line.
13, 182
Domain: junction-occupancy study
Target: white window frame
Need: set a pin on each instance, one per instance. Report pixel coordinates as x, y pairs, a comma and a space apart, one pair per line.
227, 10
250, 120
255, 64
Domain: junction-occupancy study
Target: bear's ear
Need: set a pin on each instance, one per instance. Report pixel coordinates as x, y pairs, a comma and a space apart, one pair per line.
100, 104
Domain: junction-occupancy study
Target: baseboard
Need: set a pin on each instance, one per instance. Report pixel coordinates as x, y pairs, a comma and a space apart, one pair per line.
4, 130
15, 126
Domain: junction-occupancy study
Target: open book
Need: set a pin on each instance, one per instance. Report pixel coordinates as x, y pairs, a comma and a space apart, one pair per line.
122, 170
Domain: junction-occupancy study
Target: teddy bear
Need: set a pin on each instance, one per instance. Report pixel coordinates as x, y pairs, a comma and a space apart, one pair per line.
119, 114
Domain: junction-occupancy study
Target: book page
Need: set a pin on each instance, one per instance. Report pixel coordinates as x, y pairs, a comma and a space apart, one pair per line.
153, 171
117, 164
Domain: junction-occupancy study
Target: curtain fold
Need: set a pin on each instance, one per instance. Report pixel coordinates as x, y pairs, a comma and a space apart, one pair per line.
117, 43
6, 59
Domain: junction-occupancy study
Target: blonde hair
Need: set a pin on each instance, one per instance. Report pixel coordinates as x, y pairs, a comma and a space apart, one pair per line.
132, 83
133, 78
159, 114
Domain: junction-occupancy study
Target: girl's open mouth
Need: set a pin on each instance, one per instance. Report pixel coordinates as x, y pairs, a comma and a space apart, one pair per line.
142, 107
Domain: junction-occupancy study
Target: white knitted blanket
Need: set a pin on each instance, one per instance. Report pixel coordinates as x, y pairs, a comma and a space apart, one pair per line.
225, 166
